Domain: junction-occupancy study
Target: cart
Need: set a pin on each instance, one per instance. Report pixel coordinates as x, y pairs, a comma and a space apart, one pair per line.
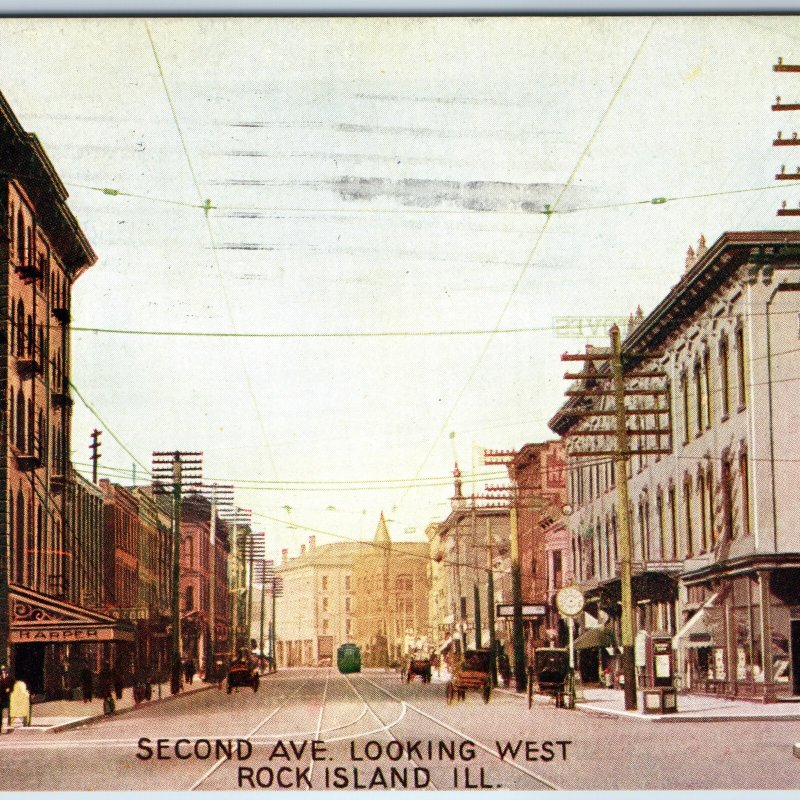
549, 671
418, 664
242, 674
472, 674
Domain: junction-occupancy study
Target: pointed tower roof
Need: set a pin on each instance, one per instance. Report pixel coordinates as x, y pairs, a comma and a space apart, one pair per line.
382, 533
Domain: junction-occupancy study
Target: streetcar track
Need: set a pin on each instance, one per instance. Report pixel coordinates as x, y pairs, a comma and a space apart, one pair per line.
386, 728
263, 722
486, 748
319, 723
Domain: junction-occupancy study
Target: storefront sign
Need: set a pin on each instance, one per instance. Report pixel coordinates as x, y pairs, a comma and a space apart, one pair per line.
69, 634
528, 610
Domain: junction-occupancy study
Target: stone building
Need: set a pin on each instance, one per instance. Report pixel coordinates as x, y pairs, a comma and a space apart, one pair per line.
315, 614
391, 583
715, 517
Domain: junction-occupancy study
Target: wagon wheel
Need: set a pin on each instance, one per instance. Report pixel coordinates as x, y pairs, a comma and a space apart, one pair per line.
487, 690
450, 693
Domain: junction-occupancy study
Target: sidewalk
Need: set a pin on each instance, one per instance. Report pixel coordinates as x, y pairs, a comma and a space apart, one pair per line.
59, 715
691, 708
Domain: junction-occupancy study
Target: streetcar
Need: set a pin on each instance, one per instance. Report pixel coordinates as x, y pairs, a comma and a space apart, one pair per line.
348, 658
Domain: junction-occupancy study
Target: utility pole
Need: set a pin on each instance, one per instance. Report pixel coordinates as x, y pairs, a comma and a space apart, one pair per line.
793, 141
506, 457
624, 524
490, 597
476, 594
95, 456
616, 372
172, 471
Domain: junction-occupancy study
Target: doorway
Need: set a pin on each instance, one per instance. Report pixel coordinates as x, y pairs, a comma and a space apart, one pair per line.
795, 649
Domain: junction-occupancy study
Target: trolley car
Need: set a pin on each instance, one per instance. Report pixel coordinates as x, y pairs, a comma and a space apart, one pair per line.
348, 658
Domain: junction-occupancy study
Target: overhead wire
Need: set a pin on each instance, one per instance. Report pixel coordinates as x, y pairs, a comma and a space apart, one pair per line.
490, 338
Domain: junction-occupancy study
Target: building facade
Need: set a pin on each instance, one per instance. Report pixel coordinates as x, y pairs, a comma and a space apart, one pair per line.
42, 253
715, 523
537, 473
316, 613
474, 535
392, 584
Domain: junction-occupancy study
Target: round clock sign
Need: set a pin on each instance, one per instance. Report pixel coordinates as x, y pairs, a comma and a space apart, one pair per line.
569, 601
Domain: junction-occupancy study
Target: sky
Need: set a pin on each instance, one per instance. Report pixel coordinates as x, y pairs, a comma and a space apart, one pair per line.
367, 232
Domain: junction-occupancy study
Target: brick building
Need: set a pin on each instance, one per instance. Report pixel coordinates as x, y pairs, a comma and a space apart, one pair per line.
42, 252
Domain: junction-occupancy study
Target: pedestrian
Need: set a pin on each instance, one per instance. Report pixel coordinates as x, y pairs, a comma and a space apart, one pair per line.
105, 682
6, 684
86, 682
119, 679
189, 671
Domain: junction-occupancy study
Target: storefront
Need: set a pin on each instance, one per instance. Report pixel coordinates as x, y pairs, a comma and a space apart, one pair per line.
51, 641
744, 639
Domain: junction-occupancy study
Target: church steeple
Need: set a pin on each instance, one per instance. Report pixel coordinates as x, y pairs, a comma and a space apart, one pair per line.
457, 502
382, 533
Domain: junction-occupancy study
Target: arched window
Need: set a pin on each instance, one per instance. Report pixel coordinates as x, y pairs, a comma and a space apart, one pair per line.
20, 237
12, 420
724, 377
20, 327
20, 441
687, 509
31, 336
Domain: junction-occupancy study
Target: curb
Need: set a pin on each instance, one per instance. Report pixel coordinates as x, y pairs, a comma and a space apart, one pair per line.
77, 723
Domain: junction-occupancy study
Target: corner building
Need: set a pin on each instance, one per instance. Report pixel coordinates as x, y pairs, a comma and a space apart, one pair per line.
43, 622
715, 520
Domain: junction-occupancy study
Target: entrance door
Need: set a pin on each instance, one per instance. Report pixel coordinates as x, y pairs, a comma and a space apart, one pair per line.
29, 666
795, 656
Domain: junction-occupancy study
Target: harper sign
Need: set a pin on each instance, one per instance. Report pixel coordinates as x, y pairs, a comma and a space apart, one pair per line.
528, 610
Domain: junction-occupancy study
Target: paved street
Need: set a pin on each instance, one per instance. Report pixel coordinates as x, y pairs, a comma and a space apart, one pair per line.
378, 732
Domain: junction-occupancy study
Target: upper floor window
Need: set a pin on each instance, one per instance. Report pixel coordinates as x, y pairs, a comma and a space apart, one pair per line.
724, 375
744, 476
685, 404
707, 381
324, 583
698, 397
740, 368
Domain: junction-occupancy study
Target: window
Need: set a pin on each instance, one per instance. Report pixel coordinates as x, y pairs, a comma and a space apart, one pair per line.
673, 520
740, 371
726, 492
724, 376
324, 583
687, 507
701, 493
347, 583
685, 403
190, 598
662, 533
711, 496
744, 476
707, 379
347, 604
698, 397
324, 603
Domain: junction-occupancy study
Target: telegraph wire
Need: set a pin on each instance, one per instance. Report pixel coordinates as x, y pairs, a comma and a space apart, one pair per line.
534, 250
215, 255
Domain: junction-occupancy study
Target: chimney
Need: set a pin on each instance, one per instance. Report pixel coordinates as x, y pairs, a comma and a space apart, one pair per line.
284, 555
302, 549
312, 542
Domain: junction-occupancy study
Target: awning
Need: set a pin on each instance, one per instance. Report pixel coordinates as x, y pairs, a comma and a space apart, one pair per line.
595, 637
692, 632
